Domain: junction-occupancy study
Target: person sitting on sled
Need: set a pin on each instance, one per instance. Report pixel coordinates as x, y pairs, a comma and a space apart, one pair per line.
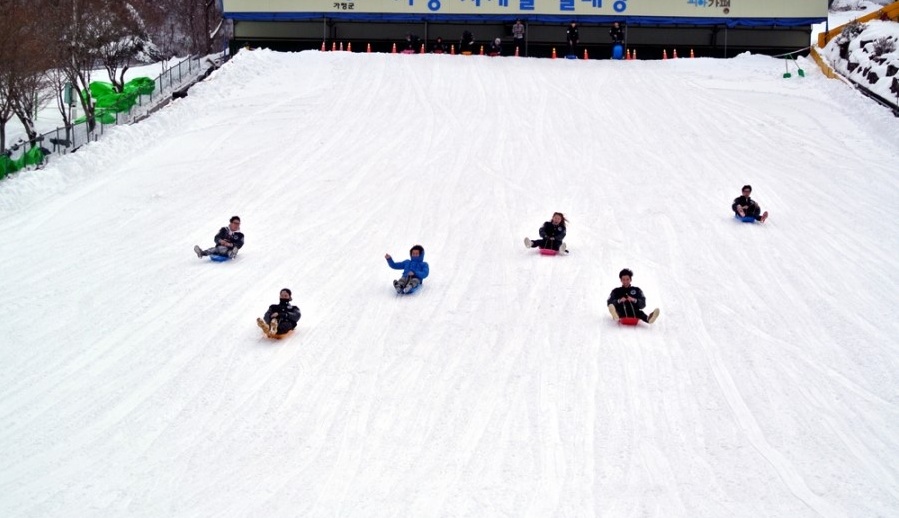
745, 206
495, 48
628, 300
552, 233
280, 318
227, 242
414, 270
439, 46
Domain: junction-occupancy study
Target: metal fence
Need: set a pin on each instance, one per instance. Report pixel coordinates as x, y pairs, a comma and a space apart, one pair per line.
65, 140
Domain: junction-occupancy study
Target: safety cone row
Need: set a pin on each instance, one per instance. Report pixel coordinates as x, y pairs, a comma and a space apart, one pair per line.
691, 54
675, 53
664, 54
393, 50
554, 53
585, 54
368, 48
333, 46
482, 50
323, 45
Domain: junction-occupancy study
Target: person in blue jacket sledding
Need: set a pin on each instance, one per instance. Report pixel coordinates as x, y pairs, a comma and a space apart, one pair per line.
414, 270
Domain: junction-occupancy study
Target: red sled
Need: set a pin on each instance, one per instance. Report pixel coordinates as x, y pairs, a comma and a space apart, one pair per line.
628, 321
548, 251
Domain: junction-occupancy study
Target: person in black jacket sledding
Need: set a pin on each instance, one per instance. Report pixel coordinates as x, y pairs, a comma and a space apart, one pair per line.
628, 300
280, 318
552, 233
745, 206
439, 46
227, 242
466, 43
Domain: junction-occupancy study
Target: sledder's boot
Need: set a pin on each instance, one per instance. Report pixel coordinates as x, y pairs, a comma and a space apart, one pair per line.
273, 327
528, 243
199, 252
262, 325
397, 286
563, 248
764, 216
232, 253
409, 287
653, 316
613, 312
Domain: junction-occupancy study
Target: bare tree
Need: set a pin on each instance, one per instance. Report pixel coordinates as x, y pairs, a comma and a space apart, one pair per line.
24, 61
75, 49
122, 40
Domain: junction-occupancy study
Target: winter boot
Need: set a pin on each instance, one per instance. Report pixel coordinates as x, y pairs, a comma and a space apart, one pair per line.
613, 312
764, 216
199, 252
232, 253
653, 316
398, 286
528, 243
273, 327
411, 285
262, 325
563, 248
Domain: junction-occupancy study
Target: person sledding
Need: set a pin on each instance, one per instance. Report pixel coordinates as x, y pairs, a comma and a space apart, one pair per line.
628, 300
281, 318
551, 234
227, 242
744, 206
415, 270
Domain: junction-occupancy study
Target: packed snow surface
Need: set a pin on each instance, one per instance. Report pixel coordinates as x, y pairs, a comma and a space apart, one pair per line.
134, 381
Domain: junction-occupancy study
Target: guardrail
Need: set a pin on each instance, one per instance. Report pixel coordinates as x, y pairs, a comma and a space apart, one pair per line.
64, 140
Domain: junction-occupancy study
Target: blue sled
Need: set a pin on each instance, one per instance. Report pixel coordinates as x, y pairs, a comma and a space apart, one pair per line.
219, 258
745, 219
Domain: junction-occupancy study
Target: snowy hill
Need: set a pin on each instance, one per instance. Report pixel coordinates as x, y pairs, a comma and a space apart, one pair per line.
135, 382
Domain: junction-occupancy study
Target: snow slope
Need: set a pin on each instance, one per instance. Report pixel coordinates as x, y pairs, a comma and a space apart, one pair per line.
134, 381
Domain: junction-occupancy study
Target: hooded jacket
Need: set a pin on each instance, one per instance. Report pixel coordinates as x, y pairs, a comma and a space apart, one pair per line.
630, 291
415, 265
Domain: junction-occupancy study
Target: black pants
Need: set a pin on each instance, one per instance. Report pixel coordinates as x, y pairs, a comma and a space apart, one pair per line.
284, 325
520, 45
572, 48
627, 309
552, 244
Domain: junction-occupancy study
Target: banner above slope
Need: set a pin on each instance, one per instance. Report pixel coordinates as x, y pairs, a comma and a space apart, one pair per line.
739, 12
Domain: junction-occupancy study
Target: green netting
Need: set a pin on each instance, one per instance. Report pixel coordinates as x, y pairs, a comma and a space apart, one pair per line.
34, 156
108, 102
6, 166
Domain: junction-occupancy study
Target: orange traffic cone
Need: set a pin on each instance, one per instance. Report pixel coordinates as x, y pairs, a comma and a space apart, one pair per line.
554, 53
349, 47
675, 53
422, 48
516, 51
368, 48
452, 50
323, 45
635, 53
627, 56
482, 50
393, 50
341, 46
664, 54
585, 54
691, 54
